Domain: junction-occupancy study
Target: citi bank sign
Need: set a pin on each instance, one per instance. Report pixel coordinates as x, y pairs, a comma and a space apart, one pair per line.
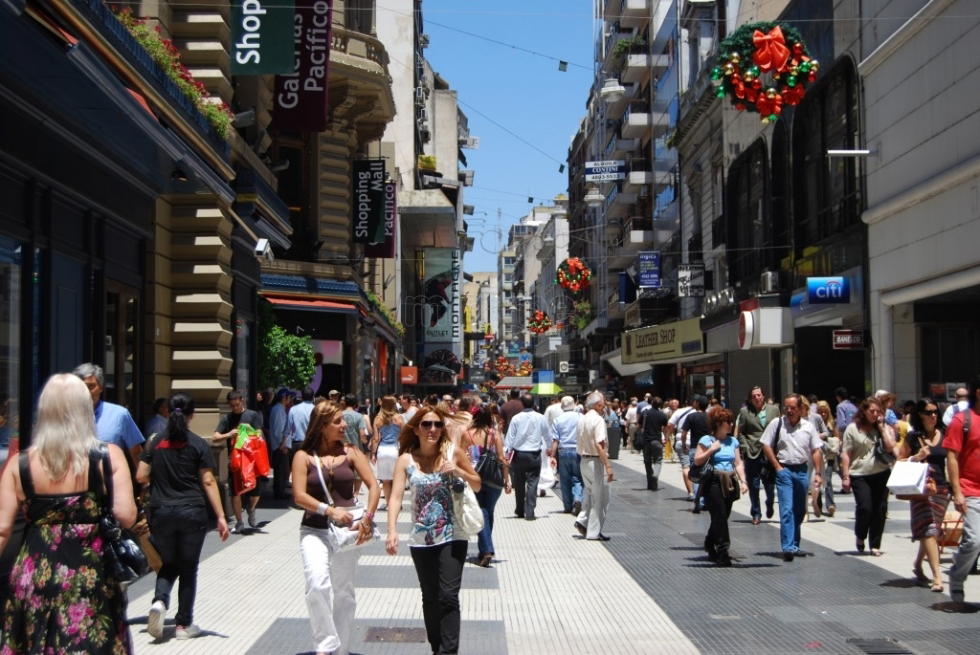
828, 290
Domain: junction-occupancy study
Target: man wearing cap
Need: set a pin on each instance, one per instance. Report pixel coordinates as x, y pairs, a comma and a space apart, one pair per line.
333, 396
278, 446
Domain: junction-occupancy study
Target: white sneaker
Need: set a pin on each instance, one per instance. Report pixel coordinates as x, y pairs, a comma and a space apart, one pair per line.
188, 632
251, 519
155, 618
239, 528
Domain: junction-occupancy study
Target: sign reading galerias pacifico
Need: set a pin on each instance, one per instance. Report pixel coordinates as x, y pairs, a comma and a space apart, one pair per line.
301, 94
261, 37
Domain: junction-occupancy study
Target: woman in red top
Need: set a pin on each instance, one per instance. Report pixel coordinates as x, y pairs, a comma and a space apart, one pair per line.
330, 575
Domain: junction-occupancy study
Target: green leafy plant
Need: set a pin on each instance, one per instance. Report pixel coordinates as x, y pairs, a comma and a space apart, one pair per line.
581, 314
285, 360
386, 312
167, 57
628, 45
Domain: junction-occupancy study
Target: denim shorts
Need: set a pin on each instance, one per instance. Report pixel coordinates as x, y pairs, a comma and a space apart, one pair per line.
683, 454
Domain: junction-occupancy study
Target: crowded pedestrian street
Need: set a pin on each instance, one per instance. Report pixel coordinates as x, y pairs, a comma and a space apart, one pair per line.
650, 589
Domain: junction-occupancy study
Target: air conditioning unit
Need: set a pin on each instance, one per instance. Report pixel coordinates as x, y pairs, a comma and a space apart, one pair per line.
422, 116
470, 142
466, 177
424, 40
769, 282
424, 134
420, 96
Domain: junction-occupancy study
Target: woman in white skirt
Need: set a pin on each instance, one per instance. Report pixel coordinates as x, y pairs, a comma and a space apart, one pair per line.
326, 460
384, 445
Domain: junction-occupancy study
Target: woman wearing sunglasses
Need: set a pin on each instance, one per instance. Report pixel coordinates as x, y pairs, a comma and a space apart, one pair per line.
924, 443
431, 464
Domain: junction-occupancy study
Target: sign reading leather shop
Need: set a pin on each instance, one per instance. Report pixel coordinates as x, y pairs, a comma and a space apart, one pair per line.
663, 342
300, 101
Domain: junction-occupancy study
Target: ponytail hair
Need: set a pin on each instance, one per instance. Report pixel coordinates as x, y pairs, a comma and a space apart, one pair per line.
181, 409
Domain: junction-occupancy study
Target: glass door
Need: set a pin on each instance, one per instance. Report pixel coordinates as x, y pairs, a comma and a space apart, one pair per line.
122, 346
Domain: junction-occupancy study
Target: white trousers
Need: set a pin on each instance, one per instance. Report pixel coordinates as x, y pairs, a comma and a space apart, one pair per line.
595, 499
329, 591
547, 478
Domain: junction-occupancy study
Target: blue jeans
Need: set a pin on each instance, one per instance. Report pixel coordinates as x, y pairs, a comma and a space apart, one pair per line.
753, 474
487, 498
791, 489
570, 476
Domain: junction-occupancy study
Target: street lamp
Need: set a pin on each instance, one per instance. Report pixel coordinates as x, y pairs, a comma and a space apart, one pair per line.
612, 91
593, 197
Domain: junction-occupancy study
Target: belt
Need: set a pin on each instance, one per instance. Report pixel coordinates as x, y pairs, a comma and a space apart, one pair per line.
568, 449
589, 455
793, 467
529, 452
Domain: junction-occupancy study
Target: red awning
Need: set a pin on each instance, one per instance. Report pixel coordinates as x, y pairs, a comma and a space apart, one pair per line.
328, 306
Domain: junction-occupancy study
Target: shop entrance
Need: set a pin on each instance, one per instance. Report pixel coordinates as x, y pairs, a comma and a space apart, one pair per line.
820, 369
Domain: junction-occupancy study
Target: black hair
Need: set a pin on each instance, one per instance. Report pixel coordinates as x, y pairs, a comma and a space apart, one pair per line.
307, 394
158, 403
527, 400
234, 395
916, 421
351, 401
181, 409
841, 392
482, 419
656, 402
515, 393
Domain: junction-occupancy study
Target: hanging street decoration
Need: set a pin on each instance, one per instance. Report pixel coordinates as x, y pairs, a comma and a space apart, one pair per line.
574, 275
762, 67
539, 323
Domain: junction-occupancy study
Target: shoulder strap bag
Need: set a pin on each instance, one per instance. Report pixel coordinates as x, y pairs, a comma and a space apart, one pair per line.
467, 515
123, 557
488, 465
341, 538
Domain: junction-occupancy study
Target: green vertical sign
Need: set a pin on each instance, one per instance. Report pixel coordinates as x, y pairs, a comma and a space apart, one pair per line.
262, 37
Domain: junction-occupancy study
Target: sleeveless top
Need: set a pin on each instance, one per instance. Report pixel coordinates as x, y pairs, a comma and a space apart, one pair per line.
432, 508
389, 434
936, 458
340, 482
490, 434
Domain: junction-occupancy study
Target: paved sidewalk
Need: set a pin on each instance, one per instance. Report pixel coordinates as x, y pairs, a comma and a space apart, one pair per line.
648, 590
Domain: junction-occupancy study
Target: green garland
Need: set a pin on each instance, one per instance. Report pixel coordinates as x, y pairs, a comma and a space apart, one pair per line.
763, 66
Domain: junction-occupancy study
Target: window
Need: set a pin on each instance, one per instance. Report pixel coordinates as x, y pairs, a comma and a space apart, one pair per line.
828, 195
749, 233
10, 297
359, 16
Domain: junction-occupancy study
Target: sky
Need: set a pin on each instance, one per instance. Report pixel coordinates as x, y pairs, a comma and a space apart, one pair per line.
501, 84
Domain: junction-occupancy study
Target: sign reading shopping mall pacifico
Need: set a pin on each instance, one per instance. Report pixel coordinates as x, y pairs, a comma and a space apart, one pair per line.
663, 342
370, 205
261, 37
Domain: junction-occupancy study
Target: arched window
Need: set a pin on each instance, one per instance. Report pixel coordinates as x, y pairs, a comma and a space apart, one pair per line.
827, 197
749, 229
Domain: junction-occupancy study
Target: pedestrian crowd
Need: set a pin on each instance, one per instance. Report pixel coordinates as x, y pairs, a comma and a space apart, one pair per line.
455, 458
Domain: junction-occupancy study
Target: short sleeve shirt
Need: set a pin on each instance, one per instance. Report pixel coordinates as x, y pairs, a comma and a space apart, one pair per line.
860, 448
231, 421
696, 425
113, 424
967, 450
724, 458
356, 423
795, 443
175, 466
591, 432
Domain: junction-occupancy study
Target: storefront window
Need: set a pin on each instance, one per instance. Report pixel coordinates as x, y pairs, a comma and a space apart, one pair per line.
10, 295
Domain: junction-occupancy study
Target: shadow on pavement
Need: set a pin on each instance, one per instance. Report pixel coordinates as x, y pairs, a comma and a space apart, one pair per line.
953, 607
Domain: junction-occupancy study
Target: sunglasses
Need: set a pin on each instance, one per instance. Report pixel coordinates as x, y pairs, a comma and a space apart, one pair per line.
428, 425
930, 412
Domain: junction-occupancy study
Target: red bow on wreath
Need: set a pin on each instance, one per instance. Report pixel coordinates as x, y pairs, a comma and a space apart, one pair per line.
771, 52
769, 106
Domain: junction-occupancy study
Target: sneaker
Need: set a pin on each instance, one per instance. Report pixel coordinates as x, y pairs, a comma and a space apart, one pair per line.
239, 528
690, 497
581, 528
188, 632
576, 508
251, 519
155, 618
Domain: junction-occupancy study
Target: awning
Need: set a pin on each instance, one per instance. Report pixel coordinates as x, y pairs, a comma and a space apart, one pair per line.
301, 304
546, 389
615, 360
514, 382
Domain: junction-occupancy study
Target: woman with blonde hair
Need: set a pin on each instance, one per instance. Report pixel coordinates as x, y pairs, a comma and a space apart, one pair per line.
831, 455
384, 444
325, 463
433, 466
61, 567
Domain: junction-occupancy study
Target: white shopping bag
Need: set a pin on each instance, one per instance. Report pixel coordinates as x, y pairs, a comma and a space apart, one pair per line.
908, 478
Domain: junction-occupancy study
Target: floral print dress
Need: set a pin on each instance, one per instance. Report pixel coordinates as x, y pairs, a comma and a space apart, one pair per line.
61, 600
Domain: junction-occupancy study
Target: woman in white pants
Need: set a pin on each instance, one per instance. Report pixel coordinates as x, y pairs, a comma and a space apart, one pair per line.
330, 575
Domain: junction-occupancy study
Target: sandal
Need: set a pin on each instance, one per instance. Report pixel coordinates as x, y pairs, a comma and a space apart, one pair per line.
919, 575
876, 553
936, 587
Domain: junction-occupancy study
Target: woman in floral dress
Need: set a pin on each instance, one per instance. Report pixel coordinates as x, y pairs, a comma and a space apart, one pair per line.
62, 599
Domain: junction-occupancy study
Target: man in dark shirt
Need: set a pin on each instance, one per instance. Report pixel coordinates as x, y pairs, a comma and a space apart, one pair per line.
695, 427
227, 430
652, 423
512, 407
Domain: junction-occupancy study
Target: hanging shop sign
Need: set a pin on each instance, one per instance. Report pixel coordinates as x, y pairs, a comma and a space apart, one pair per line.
835, 290
663, 342
385, 249
262, 37
690, 280
605, 171
648, 269
368, 182
300, 101
746, 329
848, 339
410, 374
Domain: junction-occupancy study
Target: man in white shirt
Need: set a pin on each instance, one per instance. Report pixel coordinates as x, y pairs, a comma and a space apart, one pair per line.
527, 436
632, 421
597, 472
674, 432
962, 402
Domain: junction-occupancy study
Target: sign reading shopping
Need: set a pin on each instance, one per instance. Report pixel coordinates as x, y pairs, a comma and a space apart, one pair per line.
605, 171
370, 204
648, 269
262, 37
828, 290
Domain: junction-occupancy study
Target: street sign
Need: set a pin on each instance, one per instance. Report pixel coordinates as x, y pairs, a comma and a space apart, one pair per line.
605, 171
648, 268
690, 280
848, 339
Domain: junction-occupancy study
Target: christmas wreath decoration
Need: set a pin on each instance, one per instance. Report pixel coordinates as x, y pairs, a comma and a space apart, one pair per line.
525, 369
539, 323
581, 314
503, 366
574, 275
764, 66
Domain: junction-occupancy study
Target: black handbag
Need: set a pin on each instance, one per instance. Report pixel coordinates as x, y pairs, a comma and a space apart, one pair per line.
881, 454
700, 473
124, 560
489, 468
